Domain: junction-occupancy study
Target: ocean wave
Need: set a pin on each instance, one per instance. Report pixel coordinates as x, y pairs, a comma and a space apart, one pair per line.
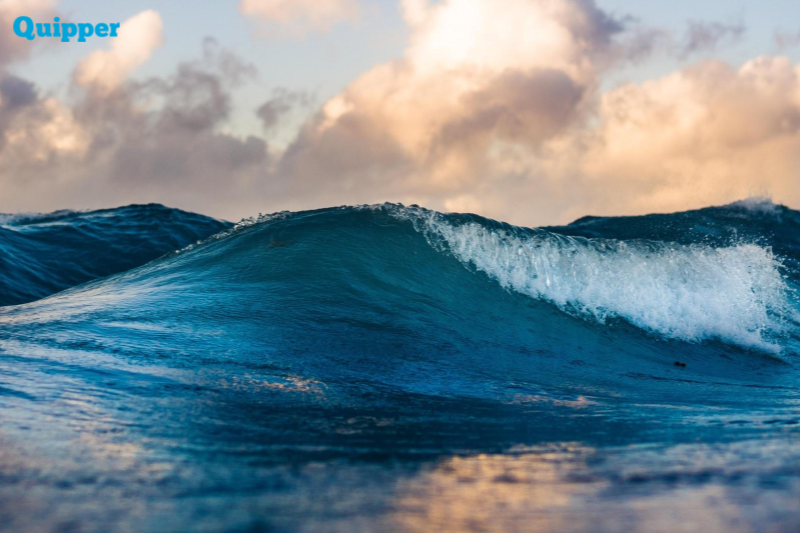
332, 345
44, 253
13, 219
695, 292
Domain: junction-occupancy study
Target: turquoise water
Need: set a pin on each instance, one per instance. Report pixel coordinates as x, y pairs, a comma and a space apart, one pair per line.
392, 368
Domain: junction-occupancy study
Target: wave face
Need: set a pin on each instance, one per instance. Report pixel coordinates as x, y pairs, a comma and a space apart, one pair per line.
462, 349
693, 292
41, 254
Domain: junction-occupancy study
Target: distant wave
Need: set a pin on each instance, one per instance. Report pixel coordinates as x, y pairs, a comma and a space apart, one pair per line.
43, 253
13, 219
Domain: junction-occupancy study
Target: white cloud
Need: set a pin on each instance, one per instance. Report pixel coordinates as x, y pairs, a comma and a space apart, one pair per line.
301, 15
161, 139
139, 36
13, 47
479, 78
706, 134
496, 108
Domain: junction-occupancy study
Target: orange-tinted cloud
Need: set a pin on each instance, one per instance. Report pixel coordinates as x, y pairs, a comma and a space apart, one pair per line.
161, 139
300, 16
478, 79
496, 108
13, 47
139, 36
706, 134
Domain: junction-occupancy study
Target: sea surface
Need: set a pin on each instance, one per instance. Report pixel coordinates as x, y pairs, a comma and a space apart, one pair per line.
391, 368
41, 254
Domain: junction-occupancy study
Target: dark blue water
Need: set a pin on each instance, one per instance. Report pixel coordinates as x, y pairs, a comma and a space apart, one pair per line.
392, 368
44, 254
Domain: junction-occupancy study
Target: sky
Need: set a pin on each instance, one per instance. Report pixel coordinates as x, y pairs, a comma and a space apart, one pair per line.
528, 111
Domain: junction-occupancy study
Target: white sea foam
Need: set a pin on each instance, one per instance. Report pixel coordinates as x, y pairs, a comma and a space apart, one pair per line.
758, 204
8, 219
735, 294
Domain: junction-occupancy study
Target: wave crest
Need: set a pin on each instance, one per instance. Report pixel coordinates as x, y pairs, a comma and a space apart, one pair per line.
736, 294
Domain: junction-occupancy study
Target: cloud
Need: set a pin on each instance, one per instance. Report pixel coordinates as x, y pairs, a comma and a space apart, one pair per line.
435, 123
496, 106
301, 16
33, 128
706, 134
784, 39
16, 95
513, 124
16, 92
282, 102
707, 36
13, 48
639, 41
139, 36
160, 139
